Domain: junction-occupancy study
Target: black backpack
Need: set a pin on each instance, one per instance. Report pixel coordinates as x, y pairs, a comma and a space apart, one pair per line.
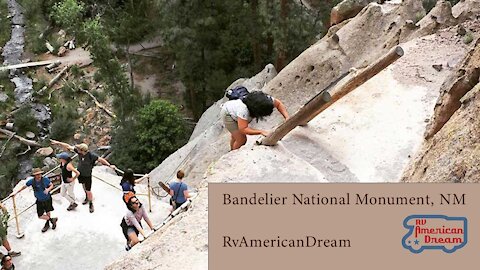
238, 92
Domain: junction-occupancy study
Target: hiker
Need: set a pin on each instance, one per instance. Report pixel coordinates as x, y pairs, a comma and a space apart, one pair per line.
238, 113
7, 263
128, 182
86, 162
41, 189
131, 222
68, 180
4, 216
178, 191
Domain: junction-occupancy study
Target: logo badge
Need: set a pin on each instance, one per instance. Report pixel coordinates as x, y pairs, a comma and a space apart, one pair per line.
434, 232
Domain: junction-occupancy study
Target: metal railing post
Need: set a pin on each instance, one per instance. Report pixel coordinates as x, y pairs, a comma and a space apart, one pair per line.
19, 235
149, 195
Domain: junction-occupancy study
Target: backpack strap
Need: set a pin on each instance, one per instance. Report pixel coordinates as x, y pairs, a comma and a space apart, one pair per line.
176, 193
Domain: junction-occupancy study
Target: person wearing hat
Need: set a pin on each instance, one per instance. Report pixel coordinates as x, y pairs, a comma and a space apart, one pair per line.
41, 189
131, 222
86, 162
68, 180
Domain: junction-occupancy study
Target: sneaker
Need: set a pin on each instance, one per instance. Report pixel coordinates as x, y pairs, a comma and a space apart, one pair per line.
91, 207
72, 206
12, 253
46, 227
54, 223
128, 247
85, 201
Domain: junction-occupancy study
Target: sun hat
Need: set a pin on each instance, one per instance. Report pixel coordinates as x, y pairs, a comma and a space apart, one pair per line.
82, 147
36, 171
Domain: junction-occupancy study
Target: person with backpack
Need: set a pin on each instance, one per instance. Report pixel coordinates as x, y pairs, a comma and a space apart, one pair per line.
4, 217
41, 190
178, 191
86, 162
128, 182
242, 108
68, 180
131, 222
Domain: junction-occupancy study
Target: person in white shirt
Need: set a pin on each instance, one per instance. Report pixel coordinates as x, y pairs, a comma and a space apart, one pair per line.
238, 113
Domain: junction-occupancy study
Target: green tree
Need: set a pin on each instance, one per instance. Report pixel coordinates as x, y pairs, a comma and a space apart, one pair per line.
159, 130
216, 42
68, 13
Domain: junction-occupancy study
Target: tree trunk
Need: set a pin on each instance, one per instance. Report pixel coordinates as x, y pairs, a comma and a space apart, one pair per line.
257, 60
281, 50
132, 82
21, 139
270, 49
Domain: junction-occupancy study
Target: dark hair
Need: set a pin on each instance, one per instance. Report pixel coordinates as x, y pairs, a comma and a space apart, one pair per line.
259, 104
128, 177
130, 205
4, 259
180, 174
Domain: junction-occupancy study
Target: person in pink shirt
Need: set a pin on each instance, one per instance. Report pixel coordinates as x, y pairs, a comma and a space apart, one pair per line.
131, 222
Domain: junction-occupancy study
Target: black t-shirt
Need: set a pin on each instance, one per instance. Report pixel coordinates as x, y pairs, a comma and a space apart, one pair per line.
86, 163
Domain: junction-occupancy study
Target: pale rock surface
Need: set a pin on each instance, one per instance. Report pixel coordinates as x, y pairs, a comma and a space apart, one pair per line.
368, 136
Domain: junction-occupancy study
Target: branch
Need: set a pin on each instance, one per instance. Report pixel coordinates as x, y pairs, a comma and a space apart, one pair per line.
21, 139
99, 105
55, 79
24, 152
6, 143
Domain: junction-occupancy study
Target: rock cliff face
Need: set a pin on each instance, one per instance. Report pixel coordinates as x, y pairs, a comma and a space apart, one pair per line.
369, 135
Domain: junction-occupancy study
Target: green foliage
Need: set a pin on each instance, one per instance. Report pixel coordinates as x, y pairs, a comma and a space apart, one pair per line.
217, 42
65, 122
68, 14
5, 30
9, 168
100, 95
37, 26
76, 71
159, 130
25, 121
130, 21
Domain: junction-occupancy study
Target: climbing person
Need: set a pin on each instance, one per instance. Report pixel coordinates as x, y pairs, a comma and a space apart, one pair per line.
178, 191
4, 216
238, 113
128, 182
131, 222
41, 190
68, 180
86, 162
7, 263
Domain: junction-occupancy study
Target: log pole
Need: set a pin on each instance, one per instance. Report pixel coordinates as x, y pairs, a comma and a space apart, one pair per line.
324, 100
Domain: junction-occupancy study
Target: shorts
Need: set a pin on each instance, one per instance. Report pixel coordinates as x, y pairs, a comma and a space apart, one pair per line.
87, 181
176, 204
44, 207
230, 123
128, 229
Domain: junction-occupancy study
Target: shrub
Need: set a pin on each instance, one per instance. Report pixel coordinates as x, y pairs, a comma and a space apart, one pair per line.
25, 121
65, 122
158, 131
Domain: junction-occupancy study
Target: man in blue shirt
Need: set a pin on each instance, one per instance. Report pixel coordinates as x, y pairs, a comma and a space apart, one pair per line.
178, 191
41, 189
